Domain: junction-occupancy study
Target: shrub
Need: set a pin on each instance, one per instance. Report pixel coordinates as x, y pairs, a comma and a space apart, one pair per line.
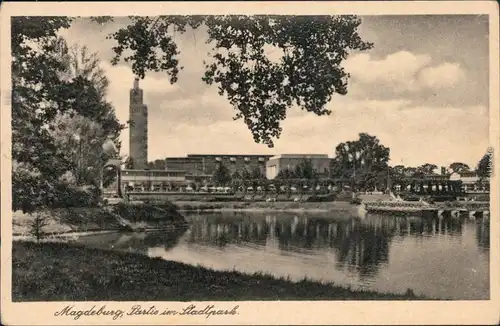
321, 198
443, 198
147, 212
36, 226
72, 196
224, 199
344, 196
356, 201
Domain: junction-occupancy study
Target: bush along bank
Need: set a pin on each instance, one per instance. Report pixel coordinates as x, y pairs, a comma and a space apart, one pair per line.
148, 216
66, 272
122, 217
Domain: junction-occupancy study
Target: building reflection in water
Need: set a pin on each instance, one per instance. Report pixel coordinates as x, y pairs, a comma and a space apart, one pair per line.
377, 252
483, 235
359, 245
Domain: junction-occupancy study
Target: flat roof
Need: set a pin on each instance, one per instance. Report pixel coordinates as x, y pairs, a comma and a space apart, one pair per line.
229, 155
151, 170
183, 158
300, 156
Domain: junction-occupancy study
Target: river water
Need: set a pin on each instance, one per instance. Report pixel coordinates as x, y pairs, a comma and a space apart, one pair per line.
439, 258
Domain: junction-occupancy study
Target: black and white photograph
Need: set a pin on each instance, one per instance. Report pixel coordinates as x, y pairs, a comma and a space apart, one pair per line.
166, 165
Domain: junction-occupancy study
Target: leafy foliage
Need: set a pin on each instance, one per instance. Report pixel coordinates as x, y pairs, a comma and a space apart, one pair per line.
236, 176
109, 177
245, 175
43, 90
364, 155
260, 89
129, 163
86, 88
459, 167
37, 163
81, 140
305, 170
79, 62
286, 174
29, 190
398, 171
156, 165
221, 176
364, 161
257, 174
37, 225
485, 165
426, 169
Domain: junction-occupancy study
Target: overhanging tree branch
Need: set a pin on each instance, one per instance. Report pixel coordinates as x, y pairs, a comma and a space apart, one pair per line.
260, 89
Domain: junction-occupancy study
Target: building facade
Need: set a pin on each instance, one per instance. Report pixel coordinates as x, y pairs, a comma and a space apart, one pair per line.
206, 164
139, 128
278, 163
471, 182
152, 180
192, 165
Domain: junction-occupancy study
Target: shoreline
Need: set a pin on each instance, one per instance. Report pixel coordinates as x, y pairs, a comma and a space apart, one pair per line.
257, 210
64, 222
23, 237
132, 276
262, 207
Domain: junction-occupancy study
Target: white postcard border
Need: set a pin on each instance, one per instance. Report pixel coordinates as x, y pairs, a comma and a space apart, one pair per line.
255, 312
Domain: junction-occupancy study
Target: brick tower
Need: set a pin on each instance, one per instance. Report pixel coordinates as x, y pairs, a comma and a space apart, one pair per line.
139, 128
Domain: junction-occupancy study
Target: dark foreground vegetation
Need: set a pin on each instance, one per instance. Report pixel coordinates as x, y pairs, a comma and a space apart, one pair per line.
63, 272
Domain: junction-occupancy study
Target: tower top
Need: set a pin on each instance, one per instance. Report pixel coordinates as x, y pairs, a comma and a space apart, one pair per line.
136, 83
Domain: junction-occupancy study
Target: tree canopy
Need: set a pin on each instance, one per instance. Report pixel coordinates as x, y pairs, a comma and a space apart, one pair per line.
459, 167
485, 165
426, 169
285, 174
157, 165
364, 155
221, 175
260, 89
43, 90
365, 161
305, 170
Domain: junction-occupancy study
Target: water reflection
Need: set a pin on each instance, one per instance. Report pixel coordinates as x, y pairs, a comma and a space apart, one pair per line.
134, 242
483, 235
441, 258
360, 245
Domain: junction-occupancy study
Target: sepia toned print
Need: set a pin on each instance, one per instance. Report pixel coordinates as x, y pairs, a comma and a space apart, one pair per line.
189, 167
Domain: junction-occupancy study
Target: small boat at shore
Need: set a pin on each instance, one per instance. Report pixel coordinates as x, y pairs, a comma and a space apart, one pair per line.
421, 207
397, 207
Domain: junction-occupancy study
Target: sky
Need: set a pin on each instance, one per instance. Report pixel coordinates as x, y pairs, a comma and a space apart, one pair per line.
422, 90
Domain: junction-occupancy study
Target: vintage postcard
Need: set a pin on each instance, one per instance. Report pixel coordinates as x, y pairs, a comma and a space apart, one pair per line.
250, 163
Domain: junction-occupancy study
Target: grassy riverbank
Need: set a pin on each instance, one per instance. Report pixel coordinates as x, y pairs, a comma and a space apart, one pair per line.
85, 219
63, 272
